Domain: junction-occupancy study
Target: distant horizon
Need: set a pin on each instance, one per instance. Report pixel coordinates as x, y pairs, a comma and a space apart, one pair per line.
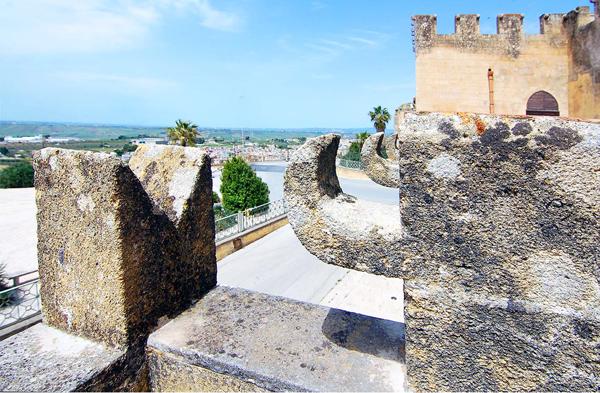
96, 124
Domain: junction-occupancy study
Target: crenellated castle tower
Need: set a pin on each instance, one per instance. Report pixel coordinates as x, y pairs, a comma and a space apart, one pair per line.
510, 72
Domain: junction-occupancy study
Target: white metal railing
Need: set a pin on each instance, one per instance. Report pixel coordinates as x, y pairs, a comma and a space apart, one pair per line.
21, 299
349, 164
239, 222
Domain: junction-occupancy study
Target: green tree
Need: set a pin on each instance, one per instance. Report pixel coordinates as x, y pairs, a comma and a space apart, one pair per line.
126, 148
17, 176
4, 150
379, 117
185, 133
354, 153
240, 188
362, 137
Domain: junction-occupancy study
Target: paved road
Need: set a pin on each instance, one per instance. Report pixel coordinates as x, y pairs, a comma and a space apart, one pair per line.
272, 174
279, 265
18, 230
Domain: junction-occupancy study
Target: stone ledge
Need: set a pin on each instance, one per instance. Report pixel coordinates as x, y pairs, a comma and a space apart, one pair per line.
278, 344
43, 358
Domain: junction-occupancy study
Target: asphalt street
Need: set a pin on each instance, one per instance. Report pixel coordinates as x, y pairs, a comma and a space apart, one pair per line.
272, 174
279, 265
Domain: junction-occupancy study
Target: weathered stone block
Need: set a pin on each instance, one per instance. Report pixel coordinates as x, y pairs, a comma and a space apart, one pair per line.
498, 246
42, 358
238, 340
111, 260
179, 180
383, 171
504, 213
333, 225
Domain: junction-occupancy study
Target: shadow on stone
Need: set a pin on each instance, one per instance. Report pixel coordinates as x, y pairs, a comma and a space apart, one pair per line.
374, 336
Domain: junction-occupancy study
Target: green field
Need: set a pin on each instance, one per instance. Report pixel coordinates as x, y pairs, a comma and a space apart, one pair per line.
76, 131
107, 132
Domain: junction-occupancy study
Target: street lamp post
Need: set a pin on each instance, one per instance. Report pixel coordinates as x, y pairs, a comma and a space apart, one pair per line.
242, 121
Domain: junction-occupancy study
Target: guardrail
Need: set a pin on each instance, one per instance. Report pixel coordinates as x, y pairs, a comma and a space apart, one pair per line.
239, 222
21, 300
349, 164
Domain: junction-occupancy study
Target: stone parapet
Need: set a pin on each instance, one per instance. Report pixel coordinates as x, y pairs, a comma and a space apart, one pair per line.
239, 340
498, 245
383, 171
117, 252
42, 358
114, 258
327, 221
504, 212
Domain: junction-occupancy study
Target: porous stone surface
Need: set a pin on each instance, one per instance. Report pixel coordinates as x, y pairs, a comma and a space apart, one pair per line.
389, 142
249, 341
504, 215
179, 181
42, 358
383, 171
173, 374
500, 222
333, 225
111, 261
170, 175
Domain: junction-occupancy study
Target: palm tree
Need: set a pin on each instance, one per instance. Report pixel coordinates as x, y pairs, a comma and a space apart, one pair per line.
362, 137
185, 132
380, 117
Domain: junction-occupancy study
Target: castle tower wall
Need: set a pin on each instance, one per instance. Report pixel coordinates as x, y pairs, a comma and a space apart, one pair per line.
452, 69
583, 30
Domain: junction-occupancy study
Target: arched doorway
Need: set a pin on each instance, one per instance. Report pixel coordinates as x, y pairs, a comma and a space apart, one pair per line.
542, 103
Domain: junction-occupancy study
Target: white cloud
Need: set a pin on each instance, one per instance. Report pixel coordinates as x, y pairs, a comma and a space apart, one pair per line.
315, 6
131, 85
38, 26
209, 16
364, 41
63, 26
338, 44
325, 49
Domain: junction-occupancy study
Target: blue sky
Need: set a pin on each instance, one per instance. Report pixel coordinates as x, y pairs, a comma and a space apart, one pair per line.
250, 63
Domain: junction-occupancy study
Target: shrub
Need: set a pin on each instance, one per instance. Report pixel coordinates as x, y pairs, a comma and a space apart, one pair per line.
17, 176
7, 297
126, 148
354, 152
240, 187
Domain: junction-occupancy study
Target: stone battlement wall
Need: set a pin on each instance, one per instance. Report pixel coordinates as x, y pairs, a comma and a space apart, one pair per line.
509, 31
495, 239
584, 70
452, 69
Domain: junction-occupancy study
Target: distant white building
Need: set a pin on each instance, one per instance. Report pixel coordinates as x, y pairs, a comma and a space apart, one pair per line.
39, 139
149, 141
62, 140
23, 139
